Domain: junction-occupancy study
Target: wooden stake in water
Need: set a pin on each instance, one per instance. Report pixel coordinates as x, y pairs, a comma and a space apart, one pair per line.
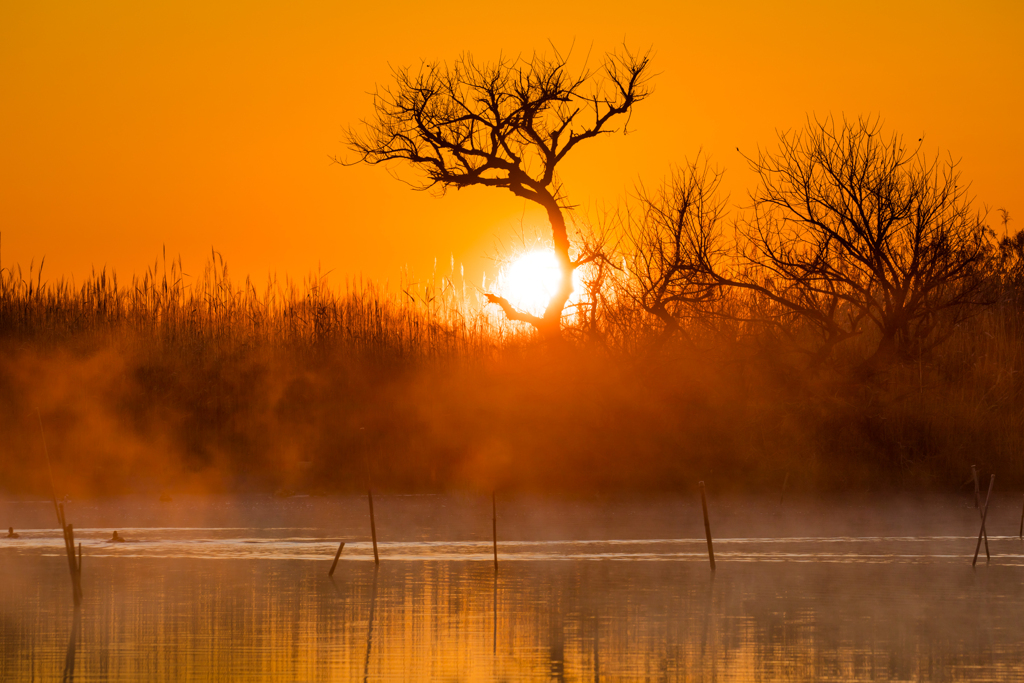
373, 528
707, 526
369, 496
75, 566
984, 514
1021, 532
784, 482
977, 497
494, 529
336, 556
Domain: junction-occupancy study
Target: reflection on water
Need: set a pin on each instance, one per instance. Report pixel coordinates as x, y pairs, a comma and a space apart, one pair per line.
69, 657
248, 603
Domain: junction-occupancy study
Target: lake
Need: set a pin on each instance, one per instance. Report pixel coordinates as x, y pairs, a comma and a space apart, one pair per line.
215, 588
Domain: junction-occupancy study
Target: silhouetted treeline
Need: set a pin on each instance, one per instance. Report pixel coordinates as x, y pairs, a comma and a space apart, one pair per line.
856, 324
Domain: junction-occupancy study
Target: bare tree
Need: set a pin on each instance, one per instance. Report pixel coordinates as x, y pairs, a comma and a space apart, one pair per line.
687, 274
673, 244
507, 124
845, 229
864, 223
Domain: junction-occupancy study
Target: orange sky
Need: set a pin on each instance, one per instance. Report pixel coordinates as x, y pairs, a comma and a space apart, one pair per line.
125, 126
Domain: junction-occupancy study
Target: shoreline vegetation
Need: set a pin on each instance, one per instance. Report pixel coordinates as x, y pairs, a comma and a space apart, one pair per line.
167, 383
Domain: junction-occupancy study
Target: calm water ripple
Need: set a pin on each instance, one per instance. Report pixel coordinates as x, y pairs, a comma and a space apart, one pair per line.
900, 602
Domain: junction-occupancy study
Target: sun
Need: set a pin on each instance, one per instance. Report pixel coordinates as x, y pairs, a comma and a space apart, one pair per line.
531, 280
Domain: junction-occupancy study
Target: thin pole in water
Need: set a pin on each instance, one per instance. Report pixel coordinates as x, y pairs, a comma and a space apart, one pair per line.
373, 528
336, 556
66, 529
784, 482
984, 514
494, 528
1021, 532
73, 565
707, 525
369, 496
977, 497
78, 574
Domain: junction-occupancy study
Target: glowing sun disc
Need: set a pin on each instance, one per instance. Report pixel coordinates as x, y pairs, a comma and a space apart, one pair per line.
531, 280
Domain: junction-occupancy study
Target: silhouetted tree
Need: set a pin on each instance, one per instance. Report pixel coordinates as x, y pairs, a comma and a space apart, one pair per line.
687, 274
863, 223
846, 227
507, 124
673, 243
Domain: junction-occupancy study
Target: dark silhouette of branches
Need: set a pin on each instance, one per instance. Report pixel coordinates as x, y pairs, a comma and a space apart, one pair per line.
507, 124
859, 223
848, 228
674, 242
684, 272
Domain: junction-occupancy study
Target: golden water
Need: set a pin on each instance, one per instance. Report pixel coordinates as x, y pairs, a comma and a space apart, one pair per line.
580, 594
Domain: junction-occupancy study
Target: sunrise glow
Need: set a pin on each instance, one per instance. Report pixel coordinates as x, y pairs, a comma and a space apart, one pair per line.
530, 281
417, 341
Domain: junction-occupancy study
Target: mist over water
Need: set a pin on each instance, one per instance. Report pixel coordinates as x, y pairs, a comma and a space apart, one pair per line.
215, 588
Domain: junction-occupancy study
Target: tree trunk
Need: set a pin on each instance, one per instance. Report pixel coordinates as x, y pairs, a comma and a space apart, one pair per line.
551, 328
884, 353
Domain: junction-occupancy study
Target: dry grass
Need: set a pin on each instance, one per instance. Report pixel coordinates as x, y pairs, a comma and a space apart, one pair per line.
433, 320
171, 382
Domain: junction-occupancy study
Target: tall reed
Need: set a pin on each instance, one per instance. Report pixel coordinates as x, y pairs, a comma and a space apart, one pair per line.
416, 321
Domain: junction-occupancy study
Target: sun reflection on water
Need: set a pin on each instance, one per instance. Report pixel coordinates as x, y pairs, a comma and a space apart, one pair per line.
233, 602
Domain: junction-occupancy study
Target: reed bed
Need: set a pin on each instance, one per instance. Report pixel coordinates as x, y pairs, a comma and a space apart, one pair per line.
437, 320
206, 382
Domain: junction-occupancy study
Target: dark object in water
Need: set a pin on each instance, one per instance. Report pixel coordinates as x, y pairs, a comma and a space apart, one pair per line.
75, 566
373, 528
707, 526
1021, 532
982, 533
336, 556
115, 539
165, 498
11, 534
977, 504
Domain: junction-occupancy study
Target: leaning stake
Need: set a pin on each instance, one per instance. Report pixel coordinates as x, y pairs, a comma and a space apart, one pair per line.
336, 556
984, 513
1021, 532
707, 526
66, 529
494, 529
977, 497
373, 528
784, 482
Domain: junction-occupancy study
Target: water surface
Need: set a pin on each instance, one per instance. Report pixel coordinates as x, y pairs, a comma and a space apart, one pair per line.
237, 588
